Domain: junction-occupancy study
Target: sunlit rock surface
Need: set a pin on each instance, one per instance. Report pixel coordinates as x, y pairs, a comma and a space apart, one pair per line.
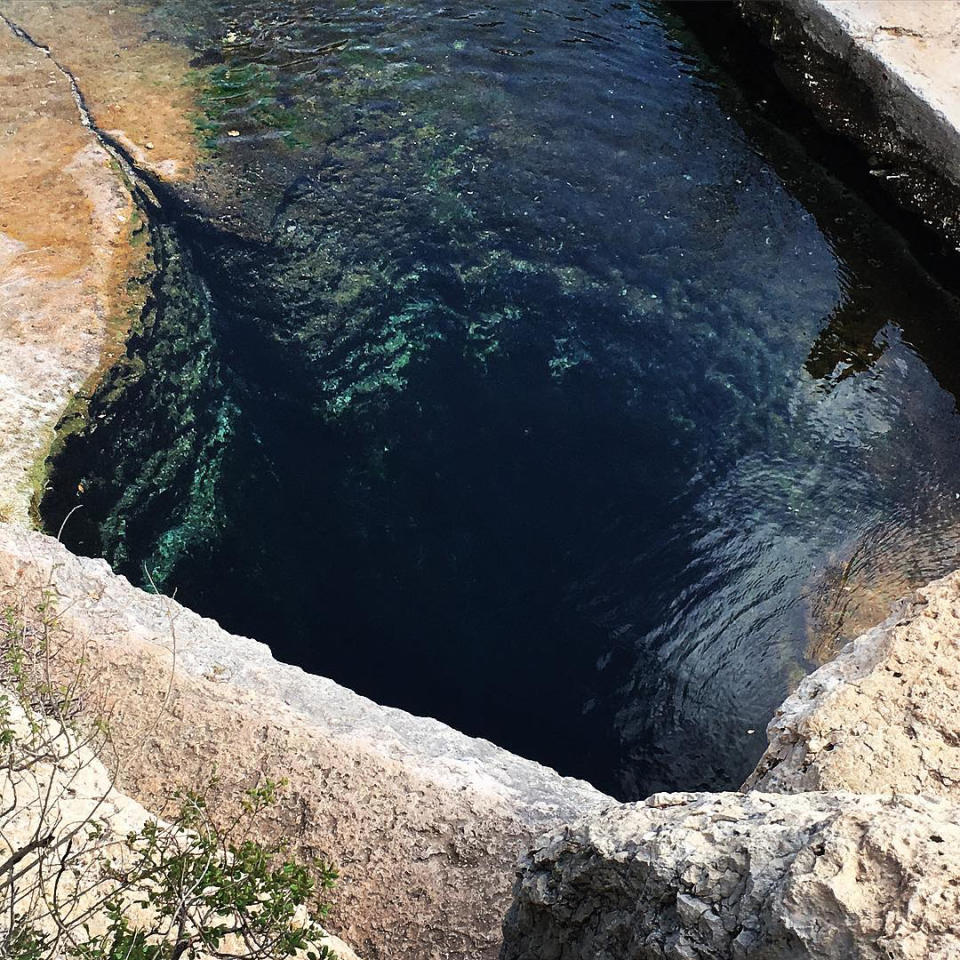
68, 246
905, 52
134, 83
744, 877
883, 716
843, 846
424, 823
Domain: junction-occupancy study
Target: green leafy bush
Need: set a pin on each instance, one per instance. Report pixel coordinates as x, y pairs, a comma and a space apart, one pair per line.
71, 886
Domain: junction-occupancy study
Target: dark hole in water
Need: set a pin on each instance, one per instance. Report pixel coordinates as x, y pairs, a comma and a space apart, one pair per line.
553, 390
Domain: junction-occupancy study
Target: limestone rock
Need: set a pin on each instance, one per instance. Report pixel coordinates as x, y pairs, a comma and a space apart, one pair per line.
744, 877
867, 870
883, 716
424, 823
65, 258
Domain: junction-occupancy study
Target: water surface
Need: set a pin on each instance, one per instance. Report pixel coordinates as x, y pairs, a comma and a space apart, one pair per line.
553, 390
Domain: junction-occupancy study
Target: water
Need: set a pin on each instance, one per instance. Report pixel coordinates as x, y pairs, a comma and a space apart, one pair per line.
547, 385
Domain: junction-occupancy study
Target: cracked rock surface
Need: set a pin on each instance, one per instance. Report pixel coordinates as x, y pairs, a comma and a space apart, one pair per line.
748, 877
883, 716
851, 850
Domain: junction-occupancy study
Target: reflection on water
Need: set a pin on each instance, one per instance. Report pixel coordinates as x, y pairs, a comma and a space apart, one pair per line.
554, 393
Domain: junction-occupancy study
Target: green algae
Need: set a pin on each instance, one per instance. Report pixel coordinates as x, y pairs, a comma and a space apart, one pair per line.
378, 364
166, 400
130, 303
243, 95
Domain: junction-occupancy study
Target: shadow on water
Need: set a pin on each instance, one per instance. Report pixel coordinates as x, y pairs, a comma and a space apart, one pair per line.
558, 386
833, 179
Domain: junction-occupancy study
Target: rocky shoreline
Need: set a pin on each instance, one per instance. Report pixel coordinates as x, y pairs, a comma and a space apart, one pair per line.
424, 823
744, 877
67, 252
838, 845
844, 843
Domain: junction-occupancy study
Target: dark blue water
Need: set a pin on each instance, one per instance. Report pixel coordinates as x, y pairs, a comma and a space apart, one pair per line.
554, 388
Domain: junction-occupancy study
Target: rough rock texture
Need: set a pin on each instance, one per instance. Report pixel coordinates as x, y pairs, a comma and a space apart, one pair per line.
882, 716
425, 824
906, 51
135, 84
65, 223
786, 873
140, 72
750, 877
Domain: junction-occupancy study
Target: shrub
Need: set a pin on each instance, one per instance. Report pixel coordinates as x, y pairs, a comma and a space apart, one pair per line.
73, 884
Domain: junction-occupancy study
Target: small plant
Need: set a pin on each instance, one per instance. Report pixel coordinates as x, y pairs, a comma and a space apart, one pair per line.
199, 894
72, 885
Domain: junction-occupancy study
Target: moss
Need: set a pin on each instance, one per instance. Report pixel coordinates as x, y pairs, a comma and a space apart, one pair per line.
245, 97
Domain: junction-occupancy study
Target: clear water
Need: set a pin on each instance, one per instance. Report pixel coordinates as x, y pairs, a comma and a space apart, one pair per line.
553, 391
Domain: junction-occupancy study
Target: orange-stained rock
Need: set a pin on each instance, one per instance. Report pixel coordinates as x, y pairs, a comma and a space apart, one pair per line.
66, 221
